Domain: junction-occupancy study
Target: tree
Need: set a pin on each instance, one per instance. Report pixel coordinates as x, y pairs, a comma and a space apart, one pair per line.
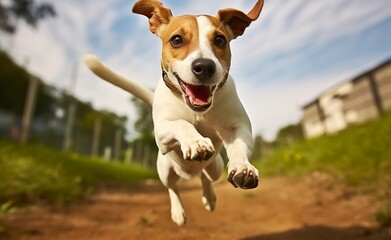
26, 10
144, 123
13, 86
145, 149
257, 151
289, 135
262, 148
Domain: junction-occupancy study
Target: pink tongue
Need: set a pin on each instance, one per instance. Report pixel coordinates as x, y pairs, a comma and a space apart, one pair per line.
199, 94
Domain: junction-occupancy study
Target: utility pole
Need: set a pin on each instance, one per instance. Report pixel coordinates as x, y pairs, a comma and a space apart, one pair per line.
29, 107
71, 110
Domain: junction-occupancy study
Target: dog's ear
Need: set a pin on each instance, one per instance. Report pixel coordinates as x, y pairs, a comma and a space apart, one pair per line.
158, 15
237, 20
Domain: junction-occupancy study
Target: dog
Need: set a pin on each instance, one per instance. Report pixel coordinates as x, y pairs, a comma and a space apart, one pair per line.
195, 107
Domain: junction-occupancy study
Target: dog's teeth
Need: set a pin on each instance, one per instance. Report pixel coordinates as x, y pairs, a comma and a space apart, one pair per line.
191, 99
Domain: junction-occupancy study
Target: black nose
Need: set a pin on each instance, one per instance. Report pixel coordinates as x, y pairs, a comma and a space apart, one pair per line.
203, 68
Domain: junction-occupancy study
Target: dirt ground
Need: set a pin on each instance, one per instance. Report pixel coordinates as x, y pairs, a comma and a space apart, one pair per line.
280, 208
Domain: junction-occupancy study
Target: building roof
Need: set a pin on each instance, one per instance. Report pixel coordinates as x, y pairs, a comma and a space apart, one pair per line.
354, 79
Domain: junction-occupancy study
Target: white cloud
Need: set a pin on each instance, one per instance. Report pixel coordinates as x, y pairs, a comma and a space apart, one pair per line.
36, 52
284, 26
273, 106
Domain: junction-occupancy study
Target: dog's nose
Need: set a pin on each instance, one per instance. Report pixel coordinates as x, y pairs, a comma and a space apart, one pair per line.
203, 68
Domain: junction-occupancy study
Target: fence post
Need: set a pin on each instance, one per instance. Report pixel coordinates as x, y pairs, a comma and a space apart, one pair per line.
117, 143
71, 110
29, 107
69, 126
96, 137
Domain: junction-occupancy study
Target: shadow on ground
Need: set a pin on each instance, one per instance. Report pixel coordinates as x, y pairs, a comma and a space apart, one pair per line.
327, 233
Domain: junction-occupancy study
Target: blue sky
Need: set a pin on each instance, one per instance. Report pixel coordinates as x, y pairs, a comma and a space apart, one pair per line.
294, 51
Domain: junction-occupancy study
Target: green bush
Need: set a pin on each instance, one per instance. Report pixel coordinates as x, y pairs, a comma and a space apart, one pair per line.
36, 173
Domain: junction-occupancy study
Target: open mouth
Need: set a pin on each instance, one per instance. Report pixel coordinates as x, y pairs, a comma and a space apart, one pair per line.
198, 97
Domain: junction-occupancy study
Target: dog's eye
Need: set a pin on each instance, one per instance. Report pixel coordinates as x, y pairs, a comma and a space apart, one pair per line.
176, 41
220, 41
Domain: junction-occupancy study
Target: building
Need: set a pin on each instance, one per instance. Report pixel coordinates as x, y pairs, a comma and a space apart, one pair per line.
362, 98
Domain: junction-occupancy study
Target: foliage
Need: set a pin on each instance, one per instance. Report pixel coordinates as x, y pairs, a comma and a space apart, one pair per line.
358, 155
144, 123
286, 136
27, 10
14, 80
145, 150
13, 87
262, 148
36, 173
289, 135
6, 208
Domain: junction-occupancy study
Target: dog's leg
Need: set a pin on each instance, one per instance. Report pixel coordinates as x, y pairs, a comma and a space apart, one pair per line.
169, 179
178, 214
239, 148
210, 174
194, 146
208, 194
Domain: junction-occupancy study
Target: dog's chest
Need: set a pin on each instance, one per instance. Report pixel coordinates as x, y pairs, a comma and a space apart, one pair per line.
206, 128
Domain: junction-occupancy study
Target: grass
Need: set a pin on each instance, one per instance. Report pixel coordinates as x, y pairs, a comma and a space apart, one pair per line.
35, 173
359, 155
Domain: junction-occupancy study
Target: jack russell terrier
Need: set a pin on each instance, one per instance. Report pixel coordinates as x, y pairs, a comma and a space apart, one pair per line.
195, 108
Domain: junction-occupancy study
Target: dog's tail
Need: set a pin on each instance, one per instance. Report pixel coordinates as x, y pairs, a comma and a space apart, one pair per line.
104, 72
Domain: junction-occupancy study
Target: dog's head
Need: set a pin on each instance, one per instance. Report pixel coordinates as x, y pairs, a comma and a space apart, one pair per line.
196, 56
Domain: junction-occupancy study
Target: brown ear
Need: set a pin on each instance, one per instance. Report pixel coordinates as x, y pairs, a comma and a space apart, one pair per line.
158, 15
237, 20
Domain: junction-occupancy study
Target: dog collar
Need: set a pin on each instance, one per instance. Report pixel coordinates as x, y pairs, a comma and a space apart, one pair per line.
173, 88
169, 84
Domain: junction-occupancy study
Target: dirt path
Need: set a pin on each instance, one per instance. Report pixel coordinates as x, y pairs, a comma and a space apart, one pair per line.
279, 209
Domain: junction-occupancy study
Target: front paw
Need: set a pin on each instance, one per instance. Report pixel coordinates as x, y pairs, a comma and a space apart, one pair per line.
243, 175
198, 150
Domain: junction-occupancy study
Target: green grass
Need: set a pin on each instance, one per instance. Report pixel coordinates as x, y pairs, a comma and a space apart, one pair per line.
358, 155
35, 173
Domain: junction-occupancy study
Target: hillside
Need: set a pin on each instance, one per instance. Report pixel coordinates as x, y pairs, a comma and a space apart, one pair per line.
359, 155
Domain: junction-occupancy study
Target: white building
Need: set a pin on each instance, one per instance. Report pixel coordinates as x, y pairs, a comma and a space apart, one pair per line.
362, 98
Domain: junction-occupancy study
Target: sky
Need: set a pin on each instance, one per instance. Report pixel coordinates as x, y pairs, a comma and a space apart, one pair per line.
292, 53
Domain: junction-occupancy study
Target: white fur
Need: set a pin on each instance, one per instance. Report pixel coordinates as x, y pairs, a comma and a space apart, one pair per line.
204, 51
181, 132
225, 123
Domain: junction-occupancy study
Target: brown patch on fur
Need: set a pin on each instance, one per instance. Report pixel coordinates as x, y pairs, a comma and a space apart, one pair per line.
223, 54
185, 26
